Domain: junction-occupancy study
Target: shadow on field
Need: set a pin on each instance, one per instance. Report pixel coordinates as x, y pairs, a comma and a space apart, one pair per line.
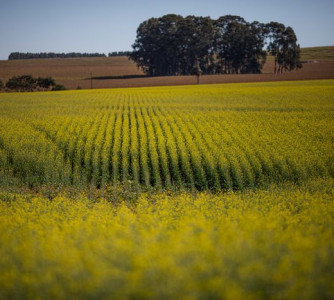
118, 77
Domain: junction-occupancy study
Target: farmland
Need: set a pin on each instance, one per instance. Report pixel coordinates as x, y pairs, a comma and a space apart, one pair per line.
213, 137
118, 72
267, 244
318, 53
186, 192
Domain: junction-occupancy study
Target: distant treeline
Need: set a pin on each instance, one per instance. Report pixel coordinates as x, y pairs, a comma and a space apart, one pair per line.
119, 53
176, 45
28, 55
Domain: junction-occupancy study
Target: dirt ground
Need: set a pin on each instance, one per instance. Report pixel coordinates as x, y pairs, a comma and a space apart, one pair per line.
114, 72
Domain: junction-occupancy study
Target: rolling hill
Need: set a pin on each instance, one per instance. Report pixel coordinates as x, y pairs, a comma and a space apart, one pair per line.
115, 72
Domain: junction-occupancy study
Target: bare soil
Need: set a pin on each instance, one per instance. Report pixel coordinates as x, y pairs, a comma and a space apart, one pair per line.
115, 72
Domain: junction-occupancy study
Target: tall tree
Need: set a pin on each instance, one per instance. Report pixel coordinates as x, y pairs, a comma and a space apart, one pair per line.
290, 52
145, 47
227, 42
196, 70
254, 55
173, 45
155, 49
283, 46
274, 32
239, 45
169, 44
195, 44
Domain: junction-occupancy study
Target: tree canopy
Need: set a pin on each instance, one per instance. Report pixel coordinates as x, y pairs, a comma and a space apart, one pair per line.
174, 45
27, 83
28, 55
119, 53
283, 46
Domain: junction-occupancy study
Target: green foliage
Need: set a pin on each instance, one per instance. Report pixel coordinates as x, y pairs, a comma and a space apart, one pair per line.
283, 46
45, 83
172, 45
59, 87
24, 83
99, 200
119, 53
27, 83
266, 244
239, 45
29, 55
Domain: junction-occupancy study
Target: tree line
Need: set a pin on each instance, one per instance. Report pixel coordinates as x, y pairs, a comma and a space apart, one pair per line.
27, 83
176, 45
28, 55
119, 53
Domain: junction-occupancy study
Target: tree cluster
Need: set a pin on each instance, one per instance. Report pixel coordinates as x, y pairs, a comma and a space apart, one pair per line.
20, 55
27, 83
119, 53
176, 45
282, 45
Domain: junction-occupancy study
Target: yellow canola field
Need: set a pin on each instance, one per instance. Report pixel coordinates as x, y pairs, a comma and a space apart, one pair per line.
265, 244
267, 232
214, 137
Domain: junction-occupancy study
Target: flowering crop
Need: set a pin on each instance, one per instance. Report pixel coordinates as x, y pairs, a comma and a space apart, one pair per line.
265, 244
237, 204
203, 137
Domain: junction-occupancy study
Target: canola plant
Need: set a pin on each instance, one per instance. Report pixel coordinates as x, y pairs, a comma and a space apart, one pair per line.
197, 192
214, 137
265, 244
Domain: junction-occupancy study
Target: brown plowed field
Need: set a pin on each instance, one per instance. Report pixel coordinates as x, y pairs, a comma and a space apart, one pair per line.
113, 72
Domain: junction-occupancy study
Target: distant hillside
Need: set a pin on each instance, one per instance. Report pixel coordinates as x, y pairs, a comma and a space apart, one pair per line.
325, 53
119, 71
318, 53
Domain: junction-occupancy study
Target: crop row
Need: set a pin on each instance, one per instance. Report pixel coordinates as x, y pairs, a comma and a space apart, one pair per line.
195, 138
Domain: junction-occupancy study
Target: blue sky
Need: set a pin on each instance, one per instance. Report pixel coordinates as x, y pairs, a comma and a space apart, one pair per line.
108, 25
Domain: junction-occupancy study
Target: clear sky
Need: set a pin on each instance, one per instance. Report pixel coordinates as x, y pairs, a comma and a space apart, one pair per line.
108, 25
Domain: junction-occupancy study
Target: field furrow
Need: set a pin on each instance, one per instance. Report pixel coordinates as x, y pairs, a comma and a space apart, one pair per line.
200, 137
